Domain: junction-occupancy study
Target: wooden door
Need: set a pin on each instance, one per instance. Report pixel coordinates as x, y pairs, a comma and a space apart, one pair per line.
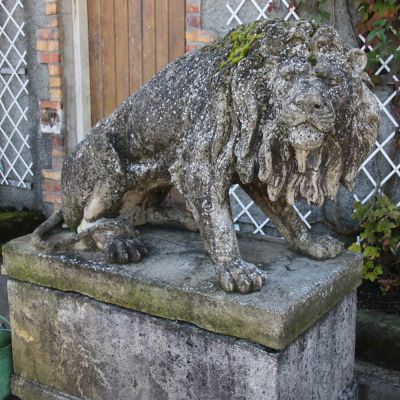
129, 41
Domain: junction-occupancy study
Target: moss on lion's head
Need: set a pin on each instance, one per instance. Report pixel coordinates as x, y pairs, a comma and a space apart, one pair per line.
241, 39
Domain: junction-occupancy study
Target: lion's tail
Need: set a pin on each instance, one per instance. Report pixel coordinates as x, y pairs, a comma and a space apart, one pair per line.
55, 220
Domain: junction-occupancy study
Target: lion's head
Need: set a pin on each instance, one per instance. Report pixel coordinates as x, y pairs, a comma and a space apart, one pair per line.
305, 116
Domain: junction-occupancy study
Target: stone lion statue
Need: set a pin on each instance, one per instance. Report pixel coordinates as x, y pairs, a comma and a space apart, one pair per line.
284, 109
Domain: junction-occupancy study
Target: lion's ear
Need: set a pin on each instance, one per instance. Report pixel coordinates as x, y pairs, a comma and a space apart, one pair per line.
358, 60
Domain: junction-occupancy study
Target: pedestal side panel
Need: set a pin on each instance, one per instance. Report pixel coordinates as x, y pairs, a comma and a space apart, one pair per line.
319, 365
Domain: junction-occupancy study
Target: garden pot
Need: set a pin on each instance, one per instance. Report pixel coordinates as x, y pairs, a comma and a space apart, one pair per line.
5, 360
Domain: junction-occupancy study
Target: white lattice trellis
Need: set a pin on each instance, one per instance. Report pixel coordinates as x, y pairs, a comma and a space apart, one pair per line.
387, 136
243, 206
15, 157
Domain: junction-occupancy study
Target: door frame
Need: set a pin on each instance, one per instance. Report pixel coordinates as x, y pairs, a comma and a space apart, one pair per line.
77, 105
82, 70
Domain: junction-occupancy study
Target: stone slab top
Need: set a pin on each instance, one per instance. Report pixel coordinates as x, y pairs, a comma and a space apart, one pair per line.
176, 281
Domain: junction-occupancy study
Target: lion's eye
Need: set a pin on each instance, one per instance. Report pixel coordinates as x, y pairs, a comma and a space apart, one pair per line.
332, 81
328, 79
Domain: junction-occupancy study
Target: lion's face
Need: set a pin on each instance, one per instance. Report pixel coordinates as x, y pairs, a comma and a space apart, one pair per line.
314, 98
321, 119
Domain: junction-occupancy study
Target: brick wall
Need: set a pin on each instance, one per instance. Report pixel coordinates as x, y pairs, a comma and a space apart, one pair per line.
195, 35
48, 46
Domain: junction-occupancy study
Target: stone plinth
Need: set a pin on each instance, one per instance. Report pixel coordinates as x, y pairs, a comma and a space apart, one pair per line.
162, 329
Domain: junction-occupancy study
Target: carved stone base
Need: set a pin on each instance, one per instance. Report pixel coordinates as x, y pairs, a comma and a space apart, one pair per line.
92, 350
80, 338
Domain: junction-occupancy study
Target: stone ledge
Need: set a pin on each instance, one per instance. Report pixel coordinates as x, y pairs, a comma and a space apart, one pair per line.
177, 282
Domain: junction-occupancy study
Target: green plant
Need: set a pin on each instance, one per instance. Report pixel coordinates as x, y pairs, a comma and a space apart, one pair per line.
380, 23
379, 240
241, 40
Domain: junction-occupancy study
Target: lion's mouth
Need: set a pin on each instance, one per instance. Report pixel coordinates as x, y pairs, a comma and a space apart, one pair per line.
306, 137
306, 142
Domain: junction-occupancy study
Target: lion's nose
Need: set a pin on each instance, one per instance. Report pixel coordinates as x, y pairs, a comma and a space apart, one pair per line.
309, 100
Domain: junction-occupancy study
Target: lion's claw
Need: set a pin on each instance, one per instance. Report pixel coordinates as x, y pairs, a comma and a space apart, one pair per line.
240, 276
123, 250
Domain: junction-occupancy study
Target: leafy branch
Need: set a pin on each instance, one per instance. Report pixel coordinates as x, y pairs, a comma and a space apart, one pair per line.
380, 24
379, 241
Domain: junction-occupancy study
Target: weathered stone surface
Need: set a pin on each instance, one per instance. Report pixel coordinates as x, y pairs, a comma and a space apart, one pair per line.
176, 281
91, 350
282, 108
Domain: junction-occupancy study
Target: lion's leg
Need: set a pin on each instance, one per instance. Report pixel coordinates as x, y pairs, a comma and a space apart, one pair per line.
113, 233
118, 239
212, 213
292, 227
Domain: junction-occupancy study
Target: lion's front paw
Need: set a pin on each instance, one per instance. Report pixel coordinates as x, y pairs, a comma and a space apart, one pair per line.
240, 276
123, 250
322, 248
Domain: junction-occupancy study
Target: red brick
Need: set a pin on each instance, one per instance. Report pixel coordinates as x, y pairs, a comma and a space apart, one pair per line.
58, 152
52, 197
56, 93
55, 70
57, 164
53, 22
50, 186
192, 8
51, 8
47, 186
199, 36
57, 140
54, 105
190, 47
53, 45
42, 45
48, 33
52, 174
49, 58
193, 21
55, 81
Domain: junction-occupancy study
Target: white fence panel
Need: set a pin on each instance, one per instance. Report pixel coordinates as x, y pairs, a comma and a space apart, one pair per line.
15, 155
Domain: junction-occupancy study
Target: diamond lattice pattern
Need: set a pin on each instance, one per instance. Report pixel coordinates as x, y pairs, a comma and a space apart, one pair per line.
381, 167
15, 155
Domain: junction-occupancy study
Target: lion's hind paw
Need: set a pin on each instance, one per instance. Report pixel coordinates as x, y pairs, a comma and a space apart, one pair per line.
322, 248
240, 276
123, 250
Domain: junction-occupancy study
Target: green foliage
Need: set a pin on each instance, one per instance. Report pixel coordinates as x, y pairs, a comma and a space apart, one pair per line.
380, 23
380, 238
241, 40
